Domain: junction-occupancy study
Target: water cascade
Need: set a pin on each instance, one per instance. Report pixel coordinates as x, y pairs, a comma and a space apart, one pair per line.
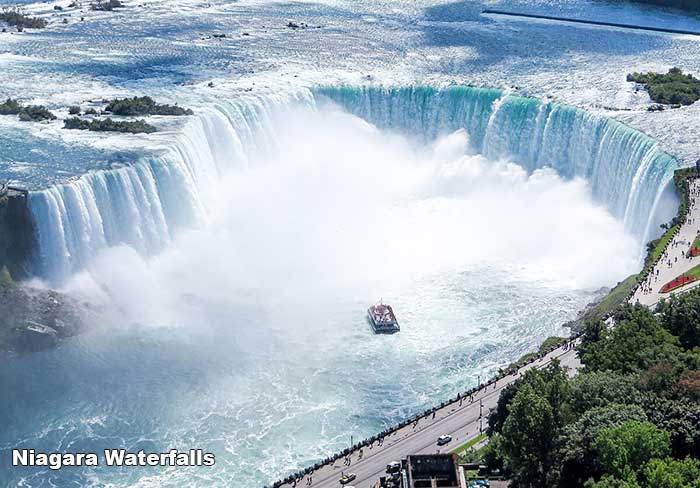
626, 170
142, 205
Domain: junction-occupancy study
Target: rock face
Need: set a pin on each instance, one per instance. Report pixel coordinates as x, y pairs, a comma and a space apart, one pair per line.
32, 319
17, 243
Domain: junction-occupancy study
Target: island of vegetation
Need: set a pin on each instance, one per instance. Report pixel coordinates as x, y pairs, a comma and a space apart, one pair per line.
16, 17
124, 107
109, 125
673, 88
144, 106
28, 113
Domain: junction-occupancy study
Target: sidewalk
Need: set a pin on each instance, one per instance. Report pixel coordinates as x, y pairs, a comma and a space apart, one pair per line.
673, 261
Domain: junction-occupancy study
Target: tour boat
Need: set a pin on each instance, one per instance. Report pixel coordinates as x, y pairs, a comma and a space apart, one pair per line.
382, 319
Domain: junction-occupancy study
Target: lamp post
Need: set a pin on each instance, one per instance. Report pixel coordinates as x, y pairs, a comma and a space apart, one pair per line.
481, 416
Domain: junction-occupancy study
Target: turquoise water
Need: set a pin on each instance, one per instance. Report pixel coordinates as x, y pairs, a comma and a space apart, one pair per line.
231, 257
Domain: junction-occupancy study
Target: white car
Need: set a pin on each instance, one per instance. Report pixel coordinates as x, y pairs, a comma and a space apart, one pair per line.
347, 478
444, 439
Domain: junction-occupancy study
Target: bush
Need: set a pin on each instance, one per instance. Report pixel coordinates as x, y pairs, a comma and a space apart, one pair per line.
76, 123
143, 106
15, 16
10, 107
30, 113
74, 110
109, 125
673, 88
35, 113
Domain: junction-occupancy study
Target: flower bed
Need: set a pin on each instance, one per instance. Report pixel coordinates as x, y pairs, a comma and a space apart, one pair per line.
677, 283
693, 274
695, 247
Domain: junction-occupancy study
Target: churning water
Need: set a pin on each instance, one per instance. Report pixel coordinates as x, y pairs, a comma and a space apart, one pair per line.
232, 272
231, 268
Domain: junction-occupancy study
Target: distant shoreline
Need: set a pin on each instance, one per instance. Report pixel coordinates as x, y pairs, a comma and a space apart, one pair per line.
591, 22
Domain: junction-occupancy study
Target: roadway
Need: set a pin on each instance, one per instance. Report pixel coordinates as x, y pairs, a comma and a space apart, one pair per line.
460, 419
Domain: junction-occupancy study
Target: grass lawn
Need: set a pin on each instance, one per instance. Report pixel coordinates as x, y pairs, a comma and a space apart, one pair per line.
612, 300
469, 444
659, 247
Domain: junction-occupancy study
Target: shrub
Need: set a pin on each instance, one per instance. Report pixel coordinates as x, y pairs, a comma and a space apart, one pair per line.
35, 113
15, 16
672, 88
30, 113
109, 125
144, 106
74, 110
76, 123
10, 107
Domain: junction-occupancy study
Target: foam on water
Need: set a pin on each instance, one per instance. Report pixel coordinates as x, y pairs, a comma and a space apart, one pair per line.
232, 302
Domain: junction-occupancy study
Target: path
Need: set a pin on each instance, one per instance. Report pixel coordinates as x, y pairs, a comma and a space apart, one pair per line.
673, 261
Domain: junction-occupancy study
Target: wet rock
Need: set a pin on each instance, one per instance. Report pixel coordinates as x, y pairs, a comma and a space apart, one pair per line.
33, 320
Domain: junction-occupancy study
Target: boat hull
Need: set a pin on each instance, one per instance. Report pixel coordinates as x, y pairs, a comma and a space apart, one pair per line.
383, 328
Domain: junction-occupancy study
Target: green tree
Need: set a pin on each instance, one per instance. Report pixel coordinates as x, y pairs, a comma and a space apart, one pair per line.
678, 416
527, 438
608, 481
681, 316
624, 449
634, 344
591, 389
551, 382
576, 451
672, 473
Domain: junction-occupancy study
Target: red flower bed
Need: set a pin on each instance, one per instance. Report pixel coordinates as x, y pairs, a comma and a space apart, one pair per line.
677, 283
694, 251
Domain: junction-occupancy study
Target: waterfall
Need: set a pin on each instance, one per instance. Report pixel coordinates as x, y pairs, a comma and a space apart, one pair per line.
625, 169
144, 204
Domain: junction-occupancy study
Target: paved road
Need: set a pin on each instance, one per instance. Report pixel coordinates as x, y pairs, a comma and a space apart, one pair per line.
460, 421
674, 261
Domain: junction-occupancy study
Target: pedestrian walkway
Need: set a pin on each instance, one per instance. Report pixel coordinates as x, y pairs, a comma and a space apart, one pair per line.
674, 260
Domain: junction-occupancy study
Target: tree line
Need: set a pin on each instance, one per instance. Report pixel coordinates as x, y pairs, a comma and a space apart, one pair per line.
629, 419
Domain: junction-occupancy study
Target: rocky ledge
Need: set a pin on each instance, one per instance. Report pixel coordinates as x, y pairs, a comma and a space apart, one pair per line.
33, 319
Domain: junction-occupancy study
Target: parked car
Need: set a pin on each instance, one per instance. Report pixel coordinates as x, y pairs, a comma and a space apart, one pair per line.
479, 484
347, 478
393, 467
444, 439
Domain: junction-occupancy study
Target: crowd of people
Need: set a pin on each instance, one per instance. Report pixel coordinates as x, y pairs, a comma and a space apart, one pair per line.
677, 248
